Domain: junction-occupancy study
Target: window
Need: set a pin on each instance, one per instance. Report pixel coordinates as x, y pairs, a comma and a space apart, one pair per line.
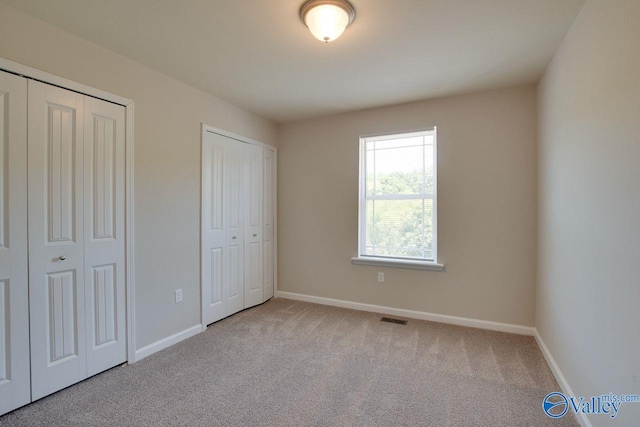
397, 209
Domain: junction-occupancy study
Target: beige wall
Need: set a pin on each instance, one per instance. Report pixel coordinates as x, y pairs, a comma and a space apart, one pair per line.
589, 205
167, 160
486, 207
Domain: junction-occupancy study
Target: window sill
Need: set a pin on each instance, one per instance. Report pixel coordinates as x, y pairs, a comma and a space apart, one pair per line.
398, 263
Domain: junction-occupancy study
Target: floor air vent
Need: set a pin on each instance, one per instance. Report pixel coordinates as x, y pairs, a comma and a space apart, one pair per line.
391, 320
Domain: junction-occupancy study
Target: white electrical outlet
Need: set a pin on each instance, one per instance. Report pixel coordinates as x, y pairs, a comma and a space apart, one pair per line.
178, 293
381, 277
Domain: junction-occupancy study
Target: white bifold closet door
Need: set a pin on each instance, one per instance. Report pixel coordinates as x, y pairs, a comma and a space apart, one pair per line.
233, 226
269, 224
76, 237
15, 390
253, 219
223, 239
231, 211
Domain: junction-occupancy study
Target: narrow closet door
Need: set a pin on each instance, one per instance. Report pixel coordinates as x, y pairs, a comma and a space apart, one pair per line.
223, 203
56, 270
253, 231
104, 139
268, 229
14, 304
214, 236
233, 192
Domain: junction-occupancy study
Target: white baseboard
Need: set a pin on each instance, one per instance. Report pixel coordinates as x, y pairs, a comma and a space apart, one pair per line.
167, 342
412, 314
555, 370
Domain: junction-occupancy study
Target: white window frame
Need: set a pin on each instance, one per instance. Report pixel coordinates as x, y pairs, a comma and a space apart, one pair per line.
389, 261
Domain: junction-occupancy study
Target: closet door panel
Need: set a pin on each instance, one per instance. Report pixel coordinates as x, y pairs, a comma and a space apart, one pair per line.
253, 219
268, 229
56, 271
233, 189
214, 272
237, 225
104, 243
15, 389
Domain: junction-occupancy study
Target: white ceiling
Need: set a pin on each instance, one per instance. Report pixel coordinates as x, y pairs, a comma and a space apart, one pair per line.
258, 55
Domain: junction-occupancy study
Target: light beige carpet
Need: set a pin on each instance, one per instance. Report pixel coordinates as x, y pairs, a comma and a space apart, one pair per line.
289, 363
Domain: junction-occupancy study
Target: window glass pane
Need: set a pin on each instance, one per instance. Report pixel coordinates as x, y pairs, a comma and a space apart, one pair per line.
429, 166
369, 236
398, 170
370, 167
397, 228
428, 229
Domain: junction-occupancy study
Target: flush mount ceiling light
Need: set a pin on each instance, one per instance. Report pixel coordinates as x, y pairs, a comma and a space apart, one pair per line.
327, 19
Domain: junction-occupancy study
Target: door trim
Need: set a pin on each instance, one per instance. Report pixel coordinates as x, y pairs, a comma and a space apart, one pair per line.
44, 77
210, 129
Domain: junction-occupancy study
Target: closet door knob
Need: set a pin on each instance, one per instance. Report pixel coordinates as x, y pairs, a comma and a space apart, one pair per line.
255, 235
234, 237
62, 258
